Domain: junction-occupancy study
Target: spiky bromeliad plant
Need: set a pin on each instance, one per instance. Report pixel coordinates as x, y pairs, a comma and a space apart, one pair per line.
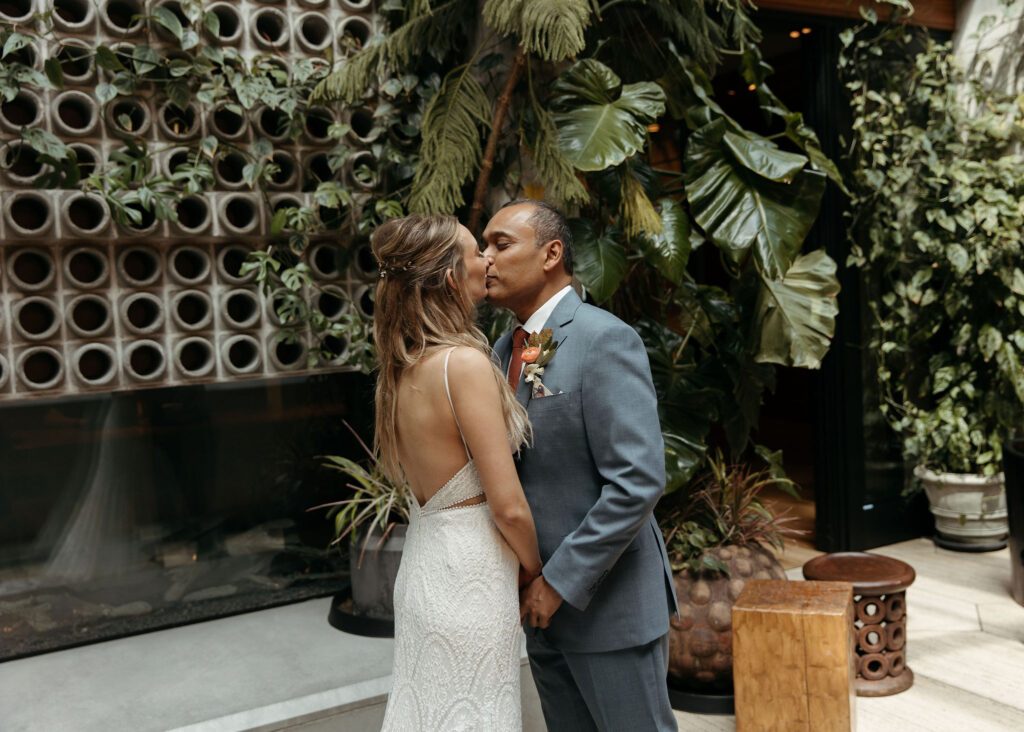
375, 502
557, 99
724, 509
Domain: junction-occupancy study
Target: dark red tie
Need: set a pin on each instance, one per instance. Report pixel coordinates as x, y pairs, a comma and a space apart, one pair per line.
515, 366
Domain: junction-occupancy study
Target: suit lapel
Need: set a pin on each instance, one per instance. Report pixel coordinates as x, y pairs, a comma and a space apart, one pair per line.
559, 319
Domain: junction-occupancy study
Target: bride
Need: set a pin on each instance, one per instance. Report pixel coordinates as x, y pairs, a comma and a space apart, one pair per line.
448, 423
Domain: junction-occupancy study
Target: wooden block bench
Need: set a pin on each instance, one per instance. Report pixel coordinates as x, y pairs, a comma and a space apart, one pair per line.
793, 657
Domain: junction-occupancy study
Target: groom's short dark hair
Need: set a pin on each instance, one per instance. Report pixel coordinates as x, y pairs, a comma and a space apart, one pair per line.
549, 224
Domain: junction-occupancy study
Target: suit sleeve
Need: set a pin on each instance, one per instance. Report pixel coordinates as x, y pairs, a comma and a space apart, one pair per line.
620, 415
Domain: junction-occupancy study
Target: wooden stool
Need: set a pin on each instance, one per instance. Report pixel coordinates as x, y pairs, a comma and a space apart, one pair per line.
793, 660
879, 591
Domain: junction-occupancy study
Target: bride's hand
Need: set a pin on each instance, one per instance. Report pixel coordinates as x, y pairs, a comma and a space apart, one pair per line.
526, 576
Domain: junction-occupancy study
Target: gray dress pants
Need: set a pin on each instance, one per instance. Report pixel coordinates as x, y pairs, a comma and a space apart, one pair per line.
611, 691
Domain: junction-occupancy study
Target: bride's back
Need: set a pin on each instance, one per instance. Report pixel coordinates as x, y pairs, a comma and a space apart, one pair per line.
429, 446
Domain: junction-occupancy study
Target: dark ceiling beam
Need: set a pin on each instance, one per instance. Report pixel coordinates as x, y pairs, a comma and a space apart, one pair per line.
937, 14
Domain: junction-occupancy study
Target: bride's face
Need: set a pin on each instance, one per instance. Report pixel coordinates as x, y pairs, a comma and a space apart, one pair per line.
476, 266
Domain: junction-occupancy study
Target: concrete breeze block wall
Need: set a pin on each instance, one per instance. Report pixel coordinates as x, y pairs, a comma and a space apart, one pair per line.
90, 305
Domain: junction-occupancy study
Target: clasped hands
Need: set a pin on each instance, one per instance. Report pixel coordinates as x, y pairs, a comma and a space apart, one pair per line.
538, 600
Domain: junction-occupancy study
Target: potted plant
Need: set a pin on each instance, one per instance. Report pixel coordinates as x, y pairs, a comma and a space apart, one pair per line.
374, 518
938, 207
717, 539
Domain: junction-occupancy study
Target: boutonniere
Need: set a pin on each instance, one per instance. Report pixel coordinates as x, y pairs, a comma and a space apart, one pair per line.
540, 349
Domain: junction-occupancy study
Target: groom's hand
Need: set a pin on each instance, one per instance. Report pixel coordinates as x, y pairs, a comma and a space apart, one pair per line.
538, 603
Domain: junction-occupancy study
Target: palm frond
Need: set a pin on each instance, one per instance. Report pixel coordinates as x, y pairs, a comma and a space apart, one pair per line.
504, 16
553, 29
638, 213
556, 172
451, 148
427, 27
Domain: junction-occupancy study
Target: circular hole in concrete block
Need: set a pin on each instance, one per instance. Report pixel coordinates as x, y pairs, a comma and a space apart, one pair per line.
241, 354
315, 31
85, 268
240, 213
75, 62
270, 28
143, 312
230, 23
89, 315
5, 373
21, 111
16, 10
241, 309
139, 266
77, 113
35, 318
318, 169
85, 159
179, 123
362, 123
30, 212
194, 357
227, 123
229, 263
146, 218
273, 123
288, 355
193, 213
324, 261
145, 360
123, 15
353, 34
287, 170
364, 170
189, 265
72, 13
366, 263
332, 218
95, 364
336, 348
130, 115
318, 122
22, 162
192, 310
230, 170
31, 269
331, 303
366, 303
40, 368
87, 214
178, 158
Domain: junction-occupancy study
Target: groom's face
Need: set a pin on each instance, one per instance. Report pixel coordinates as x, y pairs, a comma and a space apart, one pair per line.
516, 274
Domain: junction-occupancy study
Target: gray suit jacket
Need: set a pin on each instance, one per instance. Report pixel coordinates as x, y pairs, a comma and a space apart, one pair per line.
592, 477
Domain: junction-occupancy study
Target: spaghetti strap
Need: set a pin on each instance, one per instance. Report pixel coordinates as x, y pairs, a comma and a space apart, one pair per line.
452, 404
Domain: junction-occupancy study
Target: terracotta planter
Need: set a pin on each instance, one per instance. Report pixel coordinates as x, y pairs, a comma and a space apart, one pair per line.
700, 641
969, 509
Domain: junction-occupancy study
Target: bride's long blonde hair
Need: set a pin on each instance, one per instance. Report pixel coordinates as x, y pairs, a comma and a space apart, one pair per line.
417, 312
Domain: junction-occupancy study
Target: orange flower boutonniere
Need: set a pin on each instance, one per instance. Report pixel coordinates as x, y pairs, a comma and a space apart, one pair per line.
538, 354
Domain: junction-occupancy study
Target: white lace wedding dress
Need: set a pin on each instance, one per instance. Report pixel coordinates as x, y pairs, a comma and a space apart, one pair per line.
457, 632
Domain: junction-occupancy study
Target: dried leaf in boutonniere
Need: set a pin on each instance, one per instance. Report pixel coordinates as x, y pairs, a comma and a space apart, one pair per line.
538, 354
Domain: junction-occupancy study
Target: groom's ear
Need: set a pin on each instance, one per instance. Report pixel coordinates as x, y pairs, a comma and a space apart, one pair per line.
553, 255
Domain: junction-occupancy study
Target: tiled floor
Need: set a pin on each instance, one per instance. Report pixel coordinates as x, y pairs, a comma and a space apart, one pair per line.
965, 642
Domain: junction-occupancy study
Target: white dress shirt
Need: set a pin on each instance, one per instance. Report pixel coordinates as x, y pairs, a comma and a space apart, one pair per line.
536, 321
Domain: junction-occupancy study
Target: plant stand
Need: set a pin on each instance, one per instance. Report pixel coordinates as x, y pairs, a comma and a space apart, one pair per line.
343, 617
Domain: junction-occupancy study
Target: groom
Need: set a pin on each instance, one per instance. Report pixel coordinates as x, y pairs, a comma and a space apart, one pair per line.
597, 616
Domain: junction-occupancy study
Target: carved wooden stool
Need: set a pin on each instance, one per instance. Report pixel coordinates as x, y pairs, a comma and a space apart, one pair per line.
880, 618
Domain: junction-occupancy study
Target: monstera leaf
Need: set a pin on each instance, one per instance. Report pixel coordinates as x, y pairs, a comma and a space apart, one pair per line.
600, 259
669, 250
797, 314
744, 192
601, 121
